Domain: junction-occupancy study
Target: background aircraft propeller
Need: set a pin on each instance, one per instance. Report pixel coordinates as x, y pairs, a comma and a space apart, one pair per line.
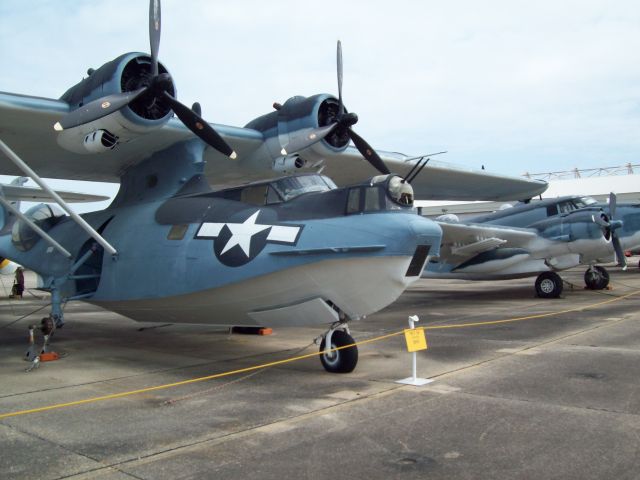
154, 88
341, 125
609, 226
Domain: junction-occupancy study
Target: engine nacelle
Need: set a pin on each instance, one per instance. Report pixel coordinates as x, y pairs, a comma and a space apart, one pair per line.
288, 164
577, 225
576, 233
296, 117
127, 73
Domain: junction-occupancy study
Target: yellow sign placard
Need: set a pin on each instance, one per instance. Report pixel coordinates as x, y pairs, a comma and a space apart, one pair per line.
416, 339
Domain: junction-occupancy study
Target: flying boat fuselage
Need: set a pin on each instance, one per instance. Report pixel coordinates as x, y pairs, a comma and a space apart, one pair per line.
294, 251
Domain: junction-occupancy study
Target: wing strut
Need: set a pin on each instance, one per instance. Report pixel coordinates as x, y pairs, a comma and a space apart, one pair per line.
35, 227
77, 218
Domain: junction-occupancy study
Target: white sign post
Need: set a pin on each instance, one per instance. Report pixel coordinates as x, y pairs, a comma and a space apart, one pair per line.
416, 341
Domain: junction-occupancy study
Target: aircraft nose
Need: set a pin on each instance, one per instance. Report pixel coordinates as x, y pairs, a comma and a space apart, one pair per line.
427, 232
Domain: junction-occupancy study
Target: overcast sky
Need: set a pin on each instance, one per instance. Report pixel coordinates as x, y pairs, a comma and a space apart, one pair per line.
513, 85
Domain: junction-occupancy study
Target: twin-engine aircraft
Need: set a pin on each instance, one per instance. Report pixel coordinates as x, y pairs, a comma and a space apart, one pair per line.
289, 251
539, 238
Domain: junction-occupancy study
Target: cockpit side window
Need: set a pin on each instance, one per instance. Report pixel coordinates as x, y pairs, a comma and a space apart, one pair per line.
566, 207
353, 201
552, 210
372, 199
254, 195
272, 196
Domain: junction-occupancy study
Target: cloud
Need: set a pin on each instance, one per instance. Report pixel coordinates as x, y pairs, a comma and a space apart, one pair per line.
513, 85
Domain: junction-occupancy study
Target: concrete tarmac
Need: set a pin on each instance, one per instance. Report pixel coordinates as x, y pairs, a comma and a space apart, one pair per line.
553, 397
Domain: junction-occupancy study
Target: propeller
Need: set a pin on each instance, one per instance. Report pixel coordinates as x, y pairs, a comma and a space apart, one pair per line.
609, 226
156, 87
341, 125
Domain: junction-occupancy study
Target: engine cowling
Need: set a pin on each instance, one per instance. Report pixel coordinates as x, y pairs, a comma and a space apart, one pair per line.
296, 117
127, 73
576, 233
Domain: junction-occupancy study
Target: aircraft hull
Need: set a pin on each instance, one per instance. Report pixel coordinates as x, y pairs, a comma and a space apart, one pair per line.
358, 286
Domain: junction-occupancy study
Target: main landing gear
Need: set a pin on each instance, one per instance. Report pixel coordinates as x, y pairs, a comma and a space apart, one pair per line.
596, 278
343, 360
548, 285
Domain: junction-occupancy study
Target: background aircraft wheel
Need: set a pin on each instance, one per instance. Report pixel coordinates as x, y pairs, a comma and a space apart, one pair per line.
548, 285
596, 278
339, 361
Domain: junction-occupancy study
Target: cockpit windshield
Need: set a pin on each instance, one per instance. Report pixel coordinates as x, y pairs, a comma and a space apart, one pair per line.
584, 202
278, 191
292, 187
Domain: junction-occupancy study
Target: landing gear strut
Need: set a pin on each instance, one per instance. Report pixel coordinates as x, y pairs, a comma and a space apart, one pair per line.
548, 285
338, 361
596, 278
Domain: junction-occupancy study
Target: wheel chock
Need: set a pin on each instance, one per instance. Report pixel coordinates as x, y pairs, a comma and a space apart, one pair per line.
252, 330
49, 357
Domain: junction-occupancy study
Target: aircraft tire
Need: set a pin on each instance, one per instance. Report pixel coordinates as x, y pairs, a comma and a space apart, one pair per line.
548, 285
598, 279
339, 361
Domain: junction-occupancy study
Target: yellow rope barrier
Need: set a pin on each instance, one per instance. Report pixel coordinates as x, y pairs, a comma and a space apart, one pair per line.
300, 357
530, 317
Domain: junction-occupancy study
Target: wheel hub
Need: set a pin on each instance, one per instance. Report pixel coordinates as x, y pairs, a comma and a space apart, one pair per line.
546, 286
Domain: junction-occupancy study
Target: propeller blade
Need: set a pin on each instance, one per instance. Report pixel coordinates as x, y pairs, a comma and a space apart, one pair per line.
613, 201
98, 108
154, 34
368, 152
598, 220
417, 172
622, 260
306, 138
200, 127
339, 63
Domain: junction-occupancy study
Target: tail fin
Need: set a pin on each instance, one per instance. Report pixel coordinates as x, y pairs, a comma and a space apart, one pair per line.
19, 181
7, 218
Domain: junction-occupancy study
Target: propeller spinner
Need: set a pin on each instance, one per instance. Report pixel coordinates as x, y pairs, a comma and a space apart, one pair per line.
154, 88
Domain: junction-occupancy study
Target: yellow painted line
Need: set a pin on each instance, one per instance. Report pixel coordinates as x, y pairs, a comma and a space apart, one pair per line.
300, 357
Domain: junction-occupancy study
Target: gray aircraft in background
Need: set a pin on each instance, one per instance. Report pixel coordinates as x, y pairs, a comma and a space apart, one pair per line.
539, 238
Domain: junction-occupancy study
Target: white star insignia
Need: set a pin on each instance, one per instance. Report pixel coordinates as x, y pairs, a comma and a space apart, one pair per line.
242, 233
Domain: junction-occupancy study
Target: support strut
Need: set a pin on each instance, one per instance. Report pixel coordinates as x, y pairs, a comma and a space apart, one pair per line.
77, 218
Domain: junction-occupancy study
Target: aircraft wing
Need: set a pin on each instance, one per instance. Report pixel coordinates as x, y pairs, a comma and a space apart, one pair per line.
438, 180
15, 193
26, 126
462, 241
